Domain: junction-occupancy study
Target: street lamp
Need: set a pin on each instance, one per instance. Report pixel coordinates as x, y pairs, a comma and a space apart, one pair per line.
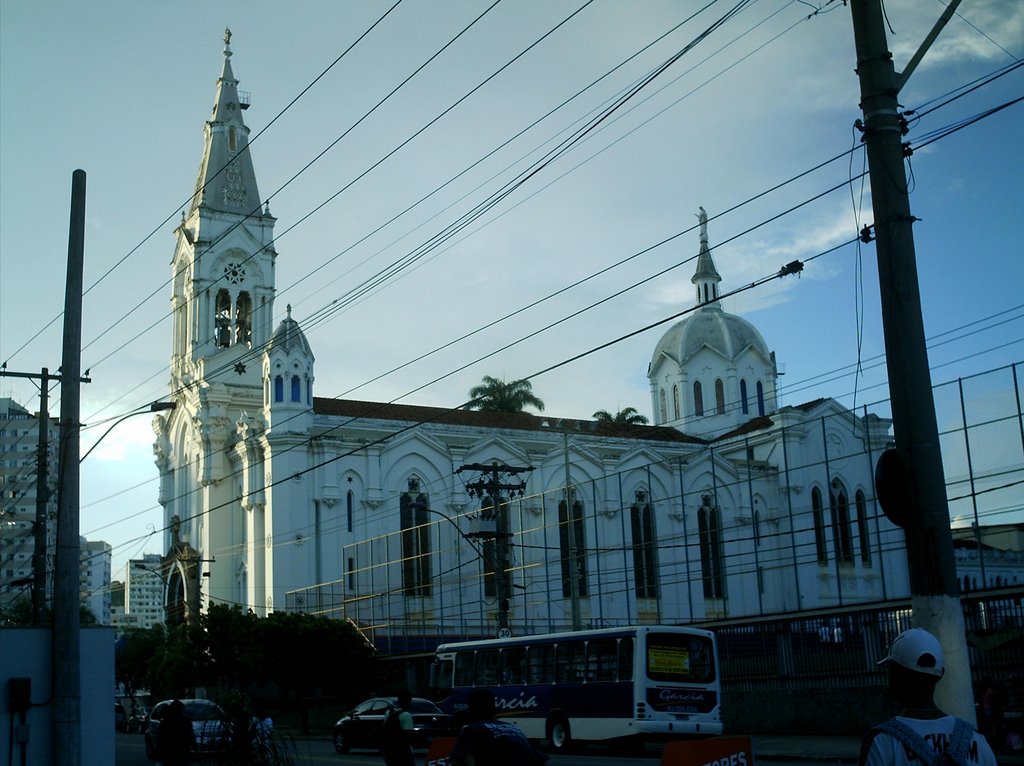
154, 407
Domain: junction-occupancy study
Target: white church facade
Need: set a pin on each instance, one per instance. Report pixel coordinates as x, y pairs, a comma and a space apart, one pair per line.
275, 498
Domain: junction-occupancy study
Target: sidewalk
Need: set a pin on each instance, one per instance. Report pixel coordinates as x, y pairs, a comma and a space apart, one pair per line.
839, 749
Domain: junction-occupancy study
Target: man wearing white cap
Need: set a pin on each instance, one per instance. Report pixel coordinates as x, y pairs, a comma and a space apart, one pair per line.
921, 733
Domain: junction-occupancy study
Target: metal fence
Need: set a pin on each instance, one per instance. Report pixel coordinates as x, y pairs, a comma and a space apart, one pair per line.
843, 647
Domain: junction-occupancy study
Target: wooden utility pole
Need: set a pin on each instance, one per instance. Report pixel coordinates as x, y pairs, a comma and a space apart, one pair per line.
490, 488
42, 501
935, 592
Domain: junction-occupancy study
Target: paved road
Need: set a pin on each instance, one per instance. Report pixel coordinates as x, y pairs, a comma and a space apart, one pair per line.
317, 752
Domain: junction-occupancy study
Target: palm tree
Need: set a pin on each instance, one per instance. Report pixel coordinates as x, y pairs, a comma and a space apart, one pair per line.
628, 416
497, 395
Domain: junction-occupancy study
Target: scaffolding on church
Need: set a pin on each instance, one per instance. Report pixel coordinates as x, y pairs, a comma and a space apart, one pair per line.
695, 556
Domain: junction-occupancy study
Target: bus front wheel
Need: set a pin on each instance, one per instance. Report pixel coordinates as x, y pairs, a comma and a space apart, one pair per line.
559, 734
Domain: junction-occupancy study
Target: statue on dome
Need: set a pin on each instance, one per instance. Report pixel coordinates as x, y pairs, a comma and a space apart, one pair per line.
702, 218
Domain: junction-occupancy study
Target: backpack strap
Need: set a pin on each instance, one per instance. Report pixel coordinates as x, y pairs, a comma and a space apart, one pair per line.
960, 741
911, 739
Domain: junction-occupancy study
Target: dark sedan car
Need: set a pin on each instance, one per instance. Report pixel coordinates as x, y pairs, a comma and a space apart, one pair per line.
363, 725
208, 728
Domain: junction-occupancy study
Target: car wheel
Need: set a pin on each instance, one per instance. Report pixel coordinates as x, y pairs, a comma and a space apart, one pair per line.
341, 744
559, 734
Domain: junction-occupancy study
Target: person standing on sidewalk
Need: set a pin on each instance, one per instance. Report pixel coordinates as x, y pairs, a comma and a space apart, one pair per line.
397, 743
921, 733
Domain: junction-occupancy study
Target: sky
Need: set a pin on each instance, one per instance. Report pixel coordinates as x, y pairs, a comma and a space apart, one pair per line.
369, 141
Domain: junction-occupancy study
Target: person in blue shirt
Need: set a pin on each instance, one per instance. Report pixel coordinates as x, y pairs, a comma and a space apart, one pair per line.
486, 741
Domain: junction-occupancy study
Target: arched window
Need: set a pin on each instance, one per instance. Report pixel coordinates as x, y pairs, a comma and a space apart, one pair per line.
743, 397
309, 391
705, 293
296, 388
760, 398
757, 528
862, 528
222, 319
243, 319
645, 568
413, 510
675, 401
232, 140
709, 527
818, 510
839, 507
698, 399
349, 502
242, 584
573, 561
662, 405
278, 388
719, 396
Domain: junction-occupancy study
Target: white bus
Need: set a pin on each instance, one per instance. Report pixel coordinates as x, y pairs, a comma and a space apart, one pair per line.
616, 684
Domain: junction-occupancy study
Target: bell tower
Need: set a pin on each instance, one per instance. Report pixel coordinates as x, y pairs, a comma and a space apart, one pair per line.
223, 266
222, 304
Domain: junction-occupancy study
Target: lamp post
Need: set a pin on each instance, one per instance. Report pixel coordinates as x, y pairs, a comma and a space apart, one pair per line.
154, 407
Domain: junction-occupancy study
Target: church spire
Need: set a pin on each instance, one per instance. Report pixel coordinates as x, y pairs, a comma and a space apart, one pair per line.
226, 181
706, 277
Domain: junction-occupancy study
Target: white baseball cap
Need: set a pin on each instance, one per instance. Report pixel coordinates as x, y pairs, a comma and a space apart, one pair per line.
918, 650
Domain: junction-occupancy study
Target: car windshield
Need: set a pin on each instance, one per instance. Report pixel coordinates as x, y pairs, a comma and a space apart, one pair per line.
199, 711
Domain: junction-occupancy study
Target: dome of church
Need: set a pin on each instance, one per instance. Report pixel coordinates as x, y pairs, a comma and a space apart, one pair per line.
725, 333
288, 337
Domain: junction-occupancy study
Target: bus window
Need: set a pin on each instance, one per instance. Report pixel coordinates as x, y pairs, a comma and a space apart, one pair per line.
487, 667
540, 664
513, 665
569, 662
464, 670
602, 658
626, 659
441, 674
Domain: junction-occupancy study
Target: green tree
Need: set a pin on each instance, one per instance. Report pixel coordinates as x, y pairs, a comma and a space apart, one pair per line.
497, 395
628, 416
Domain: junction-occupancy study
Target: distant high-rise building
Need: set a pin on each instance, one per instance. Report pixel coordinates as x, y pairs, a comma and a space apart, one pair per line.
19, 455
94, 578
144, 592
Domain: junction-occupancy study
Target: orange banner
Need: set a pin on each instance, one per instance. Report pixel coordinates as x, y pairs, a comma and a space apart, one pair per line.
440, 749
716, 751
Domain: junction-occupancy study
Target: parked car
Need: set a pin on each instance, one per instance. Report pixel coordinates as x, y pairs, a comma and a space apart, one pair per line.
362, 726
209, 726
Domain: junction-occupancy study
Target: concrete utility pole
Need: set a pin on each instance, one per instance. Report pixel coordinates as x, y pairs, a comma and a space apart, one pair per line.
66, 661
935, 592
490, 485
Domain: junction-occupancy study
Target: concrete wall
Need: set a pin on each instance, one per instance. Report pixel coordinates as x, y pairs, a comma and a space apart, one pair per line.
25, 653
812, 711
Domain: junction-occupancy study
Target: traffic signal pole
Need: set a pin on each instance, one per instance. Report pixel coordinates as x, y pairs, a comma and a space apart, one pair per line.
935, 592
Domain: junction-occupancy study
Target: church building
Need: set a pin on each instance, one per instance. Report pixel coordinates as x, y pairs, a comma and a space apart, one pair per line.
420, 523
